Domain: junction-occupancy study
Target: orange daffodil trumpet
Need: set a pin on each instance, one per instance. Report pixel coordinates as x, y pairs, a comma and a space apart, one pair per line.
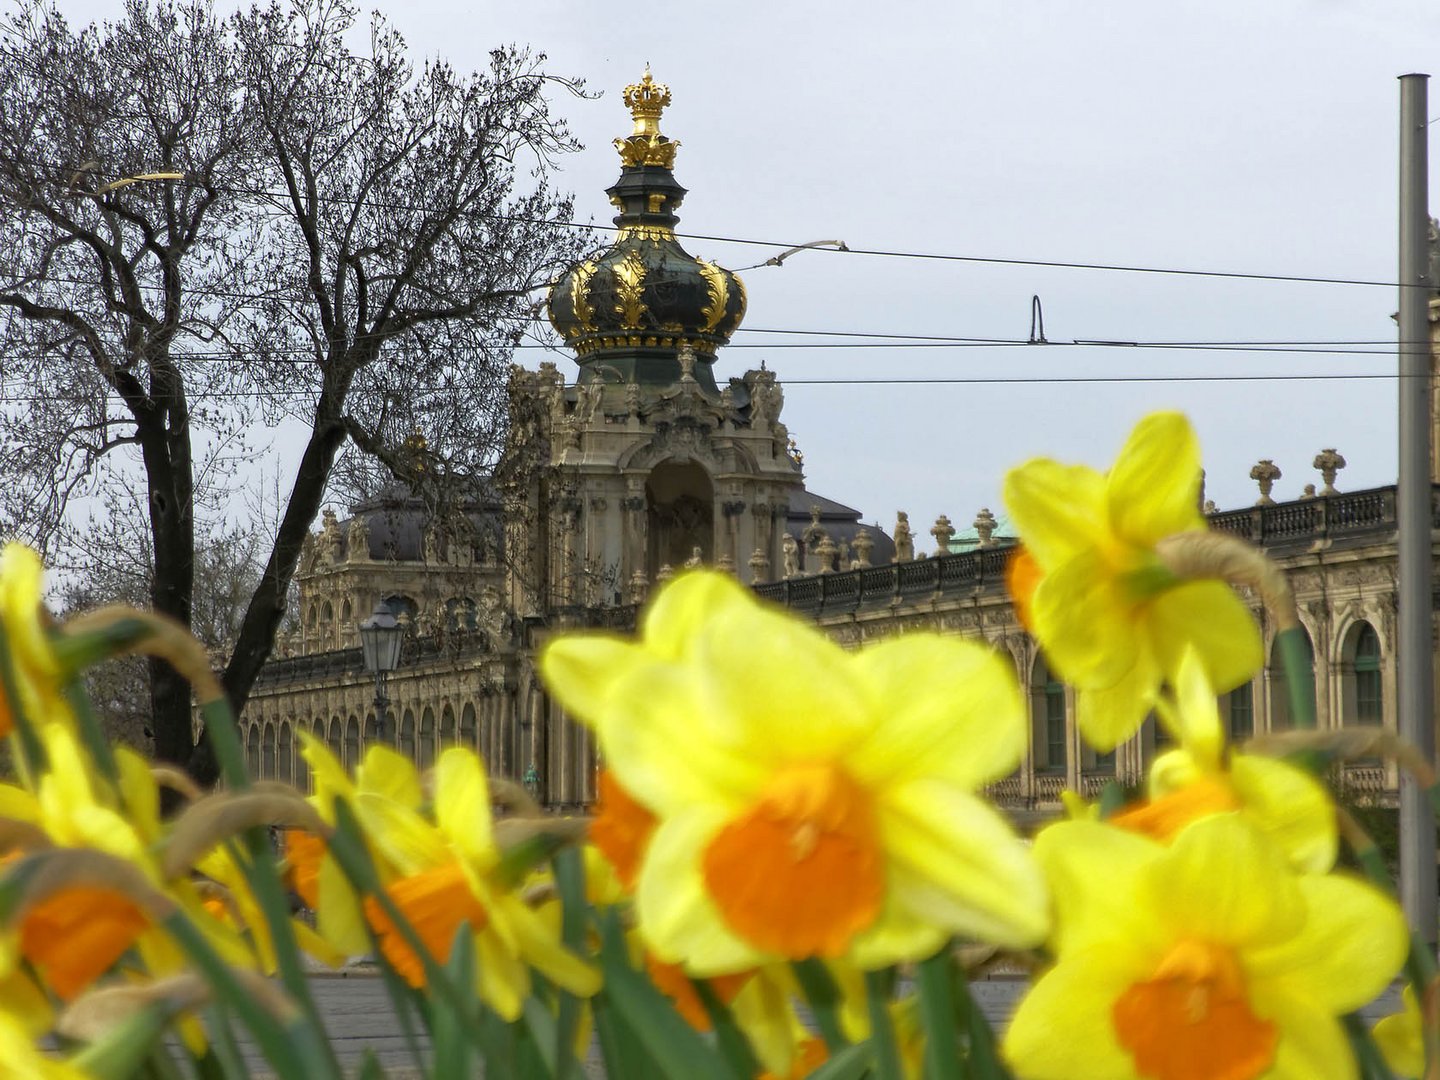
1204, 776
809, 802
1207, 958
1111, 616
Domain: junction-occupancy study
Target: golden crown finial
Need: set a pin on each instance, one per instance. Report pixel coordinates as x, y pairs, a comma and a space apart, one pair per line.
647, 100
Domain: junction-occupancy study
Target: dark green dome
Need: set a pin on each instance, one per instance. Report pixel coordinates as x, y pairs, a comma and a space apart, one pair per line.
634, 307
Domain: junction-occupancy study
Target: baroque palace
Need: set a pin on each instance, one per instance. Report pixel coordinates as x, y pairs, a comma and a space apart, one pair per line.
644, 465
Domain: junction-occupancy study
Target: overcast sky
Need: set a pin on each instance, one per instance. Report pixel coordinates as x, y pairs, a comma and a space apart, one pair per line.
1227, 135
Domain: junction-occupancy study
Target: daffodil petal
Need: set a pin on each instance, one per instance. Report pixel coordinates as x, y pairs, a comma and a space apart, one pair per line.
678, 920
1089, 625
462, 804
581, 670
1094, 871
1062, 1029
1255, 901
539, 946
1199, 711
1313, 1046
1401, 1040
967, 739
406, 839
1348, 944
1057, 508
663, 711
1208, 616
502, 980
390, 774
900, 933
785, 688
683, 607
1154, 489
1108, 716
1290, 806
982, 881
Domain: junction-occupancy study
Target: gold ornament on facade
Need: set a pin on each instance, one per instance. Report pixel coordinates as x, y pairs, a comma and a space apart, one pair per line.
579, 296
652, 233
629, 291
646, 146
655, 201
718, 292
744, 299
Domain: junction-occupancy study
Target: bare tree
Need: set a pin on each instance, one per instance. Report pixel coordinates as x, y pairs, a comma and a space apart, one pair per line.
217, 229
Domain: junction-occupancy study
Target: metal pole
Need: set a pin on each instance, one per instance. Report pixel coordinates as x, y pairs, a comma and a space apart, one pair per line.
1415, 654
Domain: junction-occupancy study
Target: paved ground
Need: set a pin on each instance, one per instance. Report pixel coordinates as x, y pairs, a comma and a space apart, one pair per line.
359, 1016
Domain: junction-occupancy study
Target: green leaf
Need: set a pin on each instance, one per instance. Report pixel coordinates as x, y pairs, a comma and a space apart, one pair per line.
32, 750
728, 1037
118, 1054
450, 1034
370, 1067
882, 1031
849, 1064
677, 1049
569, 870
936, 998
824, 998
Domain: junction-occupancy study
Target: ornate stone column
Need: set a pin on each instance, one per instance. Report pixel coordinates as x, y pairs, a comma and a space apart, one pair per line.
732, 509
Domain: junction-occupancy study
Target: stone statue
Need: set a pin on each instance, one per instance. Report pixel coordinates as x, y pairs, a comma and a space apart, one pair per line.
357, 539
632, 399
759, 566
863, 546
1329, 462
725, 564
329, 538
791, 551
590, 396
942, 531
985, 528
1308, 492
1265, 472
904, 541
760, 400
665, 573
695, 559
432, 545
639, 586
307, 552
826, 551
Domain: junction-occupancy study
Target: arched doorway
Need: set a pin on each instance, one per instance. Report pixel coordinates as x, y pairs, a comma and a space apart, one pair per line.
680, 507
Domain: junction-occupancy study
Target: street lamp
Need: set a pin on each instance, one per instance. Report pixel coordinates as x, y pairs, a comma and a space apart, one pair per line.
380, 639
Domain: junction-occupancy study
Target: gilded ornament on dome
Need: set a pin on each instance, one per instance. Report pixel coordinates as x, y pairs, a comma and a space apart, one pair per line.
629, 292
744, 299
638, 150
579, 296
654, 233
718, 292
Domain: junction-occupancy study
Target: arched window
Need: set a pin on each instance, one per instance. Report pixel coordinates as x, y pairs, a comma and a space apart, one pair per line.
447, 726
267, 752
285, 761
1047, 708
1238, 712
468, 725
335, 738
407, 735
425, 748
1282, 713
352, 742
302, 767
372, 730
252, 750
1369, 691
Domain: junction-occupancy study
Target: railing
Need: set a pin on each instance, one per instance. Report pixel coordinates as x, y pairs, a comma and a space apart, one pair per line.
1305, 521
1005, 789
1308, 520
1048, 786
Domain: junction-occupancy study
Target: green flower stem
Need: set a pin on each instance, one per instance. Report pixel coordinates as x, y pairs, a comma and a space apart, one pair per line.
824, 998
1367, 1054
984, 1061
729, 1038
569, 870
1299, 677
934, 979
32, 751
882, 1030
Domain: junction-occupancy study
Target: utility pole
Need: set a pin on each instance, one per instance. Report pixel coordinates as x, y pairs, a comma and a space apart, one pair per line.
1415, 655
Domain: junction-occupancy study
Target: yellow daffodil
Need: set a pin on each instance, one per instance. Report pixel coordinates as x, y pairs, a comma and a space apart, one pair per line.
445, 883
23, 1060
1204, 776
1401, 1038
808, 801
22, 618
1208, 957
1112, 619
